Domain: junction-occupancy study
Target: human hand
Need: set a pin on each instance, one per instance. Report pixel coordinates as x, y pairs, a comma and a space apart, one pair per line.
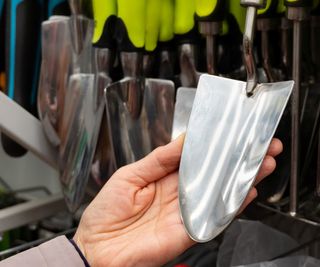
135, 219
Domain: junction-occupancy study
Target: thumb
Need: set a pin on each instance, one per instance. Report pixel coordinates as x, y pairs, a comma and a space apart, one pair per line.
159, 163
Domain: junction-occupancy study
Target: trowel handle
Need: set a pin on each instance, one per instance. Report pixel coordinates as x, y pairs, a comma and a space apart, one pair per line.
166, 21
184, 16
130, 28
104, 15
152, 24
210, 10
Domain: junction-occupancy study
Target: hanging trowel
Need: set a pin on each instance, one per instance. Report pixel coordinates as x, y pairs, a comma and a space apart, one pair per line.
184, 30
61, 57
166, 45
298, 10
210, 14
137, 107
230, 128
104, 15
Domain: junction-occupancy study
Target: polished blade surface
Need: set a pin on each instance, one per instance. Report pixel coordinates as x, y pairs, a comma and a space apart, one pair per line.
182, 110
140, 113
227, 138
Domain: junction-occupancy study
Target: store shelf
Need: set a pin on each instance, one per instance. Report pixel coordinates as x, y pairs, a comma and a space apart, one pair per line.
26, 130
36, 169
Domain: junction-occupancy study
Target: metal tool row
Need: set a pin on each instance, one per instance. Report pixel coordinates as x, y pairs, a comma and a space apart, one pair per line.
118, 78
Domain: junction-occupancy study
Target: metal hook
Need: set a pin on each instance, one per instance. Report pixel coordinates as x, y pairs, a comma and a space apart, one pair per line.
248, 36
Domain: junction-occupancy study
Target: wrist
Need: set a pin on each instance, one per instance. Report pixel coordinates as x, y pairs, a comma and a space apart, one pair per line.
76, 242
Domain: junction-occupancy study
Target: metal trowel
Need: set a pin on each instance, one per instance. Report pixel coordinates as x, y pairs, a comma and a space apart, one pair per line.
140, 110
184, 25
104, 15
230, 128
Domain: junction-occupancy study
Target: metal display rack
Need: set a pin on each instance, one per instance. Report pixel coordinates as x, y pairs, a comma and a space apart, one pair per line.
39, 166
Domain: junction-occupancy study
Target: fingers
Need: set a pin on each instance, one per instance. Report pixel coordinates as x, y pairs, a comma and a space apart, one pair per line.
250, 197
275, 147
267, 167
157, 164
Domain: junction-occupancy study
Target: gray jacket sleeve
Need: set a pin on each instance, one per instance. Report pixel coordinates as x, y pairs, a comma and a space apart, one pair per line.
54, 253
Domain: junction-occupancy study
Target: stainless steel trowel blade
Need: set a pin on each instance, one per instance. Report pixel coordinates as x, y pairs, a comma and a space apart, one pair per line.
140, 113
80, 128
227, 138
182, 110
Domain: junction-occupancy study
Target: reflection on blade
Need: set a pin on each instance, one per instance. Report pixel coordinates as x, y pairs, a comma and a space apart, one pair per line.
140, 113
227, 137
182, 110
80, 129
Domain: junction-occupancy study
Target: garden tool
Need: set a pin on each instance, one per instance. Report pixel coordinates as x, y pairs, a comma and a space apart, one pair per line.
236, 121
56, 67
137, 107
22, 58
184, 30
186, 36
267, 22
152, 28
83, 107
273, 188
166, 46
103, 165
297, 11
61, 57
210, 15
286, 38
230, 59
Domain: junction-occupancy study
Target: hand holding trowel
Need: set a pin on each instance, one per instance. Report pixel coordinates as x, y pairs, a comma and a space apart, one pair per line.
135, 104
230, 128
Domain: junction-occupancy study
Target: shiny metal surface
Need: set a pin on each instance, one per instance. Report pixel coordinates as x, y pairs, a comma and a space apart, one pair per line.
210, 29
264, 25
248, 52
297, 14
227, 138
182, 110
187, 60
295, 115
80, 129
55, 68
140, 112
103, 165
132, 64
254, 3
59, 61
148, 64
166, 67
